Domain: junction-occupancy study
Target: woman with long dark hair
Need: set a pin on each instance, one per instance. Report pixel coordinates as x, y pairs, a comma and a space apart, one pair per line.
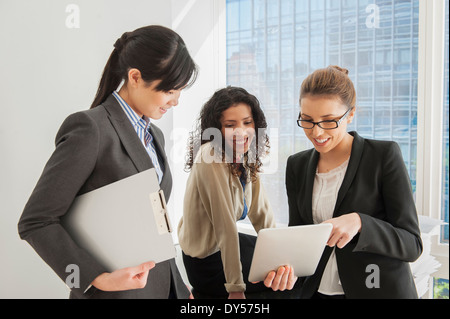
224, 160
113, 140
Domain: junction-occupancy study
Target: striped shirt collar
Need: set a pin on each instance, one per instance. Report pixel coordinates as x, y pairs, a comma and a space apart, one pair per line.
143, 122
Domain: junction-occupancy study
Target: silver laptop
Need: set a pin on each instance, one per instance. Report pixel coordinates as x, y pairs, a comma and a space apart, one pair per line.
123, 224
298, 246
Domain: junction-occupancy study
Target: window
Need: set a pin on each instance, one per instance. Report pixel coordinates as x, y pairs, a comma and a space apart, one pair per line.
445, 172
272, 45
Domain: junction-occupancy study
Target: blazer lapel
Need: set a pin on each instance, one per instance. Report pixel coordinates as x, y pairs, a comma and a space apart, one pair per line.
127, 135
353, 164
310, 176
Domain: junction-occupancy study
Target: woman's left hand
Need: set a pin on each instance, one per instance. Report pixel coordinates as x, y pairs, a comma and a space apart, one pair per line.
345, 227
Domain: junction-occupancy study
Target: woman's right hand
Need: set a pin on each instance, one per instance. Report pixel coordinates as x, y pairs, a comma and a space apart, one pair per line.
124, 279
284, 278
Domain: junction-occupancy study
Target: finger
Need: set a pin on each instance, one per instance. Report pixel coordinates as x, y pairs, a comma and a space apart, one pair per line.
277, 279
334, 238
142, 268
292, 279
148, 265
345, 239
141, 279
332, 234
191, 296
269, 279
284, 279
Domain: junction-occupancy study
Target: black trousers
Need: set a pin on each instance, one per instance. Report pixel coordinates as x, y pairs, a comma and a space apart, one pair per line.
318, 295
207, 277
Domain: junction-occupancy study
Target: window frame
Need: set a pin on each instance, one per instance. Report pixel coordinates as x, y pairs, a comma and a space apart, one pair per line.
429, 120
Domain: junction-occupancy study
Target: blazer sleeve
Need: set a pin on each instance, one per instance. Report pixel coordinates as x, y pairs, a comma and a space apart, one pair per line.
214, 189
397, 235
65, 173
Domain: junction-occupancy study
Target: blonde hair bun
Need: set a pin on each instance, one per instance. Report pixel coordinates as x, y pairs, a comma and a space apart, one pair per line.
330, 81
336, 67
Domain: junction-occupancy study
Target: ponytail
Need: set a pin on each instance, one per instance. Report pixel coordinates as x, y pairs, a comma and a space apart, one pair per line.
159, 53
110, 79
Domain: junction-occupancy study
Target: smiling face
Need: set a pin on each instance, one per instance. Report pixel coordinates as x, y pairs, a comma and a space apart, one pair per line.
320, 108
144, 99
238, 127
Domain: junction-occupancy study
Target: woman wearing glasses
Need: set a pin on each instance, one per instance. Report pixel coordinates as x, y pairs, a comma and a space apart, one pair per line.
358, 185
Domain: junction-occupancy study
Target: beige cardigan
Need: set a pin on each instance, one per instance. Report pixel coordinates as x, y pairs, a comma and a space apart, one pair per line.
213, 203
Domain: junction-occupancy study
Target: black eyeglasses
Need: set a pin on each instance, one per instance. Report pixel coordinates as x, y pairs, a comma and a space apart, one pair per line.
326, 125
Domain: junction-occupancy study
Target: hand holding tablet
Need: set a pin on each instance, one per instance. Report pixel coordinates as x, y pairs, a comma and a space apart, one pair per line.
283, 279
298, 247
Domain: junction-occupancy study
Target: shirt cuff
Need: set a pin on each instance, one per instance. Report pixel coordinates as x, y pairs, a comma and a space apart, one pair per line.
235, 287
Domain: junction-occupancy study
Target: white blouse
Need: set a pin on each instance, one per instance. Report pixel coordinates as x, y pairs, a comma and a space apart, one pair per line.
325, 192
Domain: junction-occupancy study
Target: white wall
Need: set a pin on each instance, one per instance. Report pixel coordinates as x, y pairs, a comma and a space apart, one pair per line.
201, 23
49, 71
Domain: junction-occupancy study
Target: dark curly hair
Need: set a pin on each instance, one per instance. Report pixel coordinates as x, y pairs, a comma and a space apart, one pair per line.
210, 117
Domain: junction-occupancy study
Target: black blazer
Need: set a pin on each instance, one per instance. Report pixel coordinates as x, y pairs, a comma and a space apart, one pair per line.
377, 187
94, 148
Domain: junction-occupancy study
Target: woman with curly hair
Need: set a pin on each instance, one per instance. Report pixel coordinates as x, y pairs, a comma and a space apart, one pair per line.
224, 160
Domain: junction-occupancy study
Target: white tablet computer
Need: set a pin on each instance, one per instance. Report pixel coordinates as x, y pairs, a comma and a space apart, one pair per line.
123, 224
298, 246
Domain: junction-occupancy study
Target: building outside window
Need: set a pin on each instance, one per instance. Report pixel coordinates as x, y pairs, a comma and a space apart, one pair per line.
272, 45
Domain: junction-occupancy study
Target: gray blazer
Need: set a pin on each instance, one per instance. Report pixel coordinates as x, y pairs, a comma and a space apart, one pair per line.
94, 148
